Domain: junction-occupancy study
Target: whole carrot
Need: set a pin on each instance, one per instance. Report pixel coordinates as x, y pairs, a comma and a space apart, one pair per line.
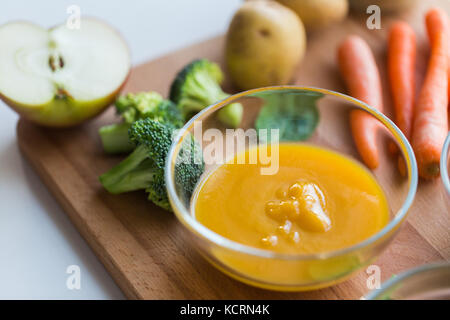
401, 63
360, 73
437, 21
430, 115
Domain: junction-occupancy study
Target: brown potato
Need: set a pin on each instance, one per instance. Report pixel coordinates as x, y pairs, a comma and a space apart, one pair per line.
318, 13
264, 44
388, 6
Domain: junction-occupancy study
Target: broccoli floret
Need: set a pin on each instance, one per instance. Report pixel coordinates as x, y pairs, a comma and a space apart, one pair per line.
189, 165
133, 107
197, 86
144, 167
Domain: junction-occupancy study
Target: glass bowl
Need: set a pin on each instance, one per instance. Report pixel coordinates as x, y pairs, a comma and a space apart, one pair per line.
268, 269
428, 282
445, 163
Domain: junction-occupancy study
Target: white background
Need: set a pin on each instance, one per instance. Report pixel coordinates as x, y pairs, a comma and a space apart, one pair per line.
37, 240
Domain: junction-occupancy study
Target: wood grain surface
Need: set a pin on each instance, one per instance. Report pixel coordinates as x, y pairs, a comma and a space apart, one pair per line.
146, 250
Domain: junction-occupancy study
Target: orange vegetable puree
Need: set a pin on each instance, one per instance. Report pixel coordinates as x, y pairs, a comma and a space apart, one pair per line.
318, 201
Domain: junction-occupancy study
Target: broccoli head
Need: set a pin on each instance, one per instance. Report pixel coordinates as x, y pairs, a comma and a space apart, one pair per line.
151, 105
133, 107
189, 165
197, 86
144, 167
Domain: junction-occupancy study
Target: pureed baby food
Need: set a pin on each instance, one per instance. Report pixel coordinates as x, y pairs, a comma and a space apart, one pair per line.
318, 201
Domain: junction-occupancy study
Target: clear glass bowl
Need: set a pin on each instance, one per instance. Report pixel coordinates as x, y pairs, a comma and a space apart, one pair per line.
428, 282
445, 163
264, 268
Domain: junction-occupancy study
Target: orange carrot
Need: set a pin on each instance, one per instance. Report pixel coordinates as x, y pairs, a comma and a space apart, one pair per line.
430, 125
360, 72
437, 21
401, 62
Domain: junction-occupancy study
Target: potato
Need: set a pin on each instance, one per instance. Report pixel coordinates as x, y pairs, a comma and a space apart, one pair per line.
318, 13
387, 6
264, 44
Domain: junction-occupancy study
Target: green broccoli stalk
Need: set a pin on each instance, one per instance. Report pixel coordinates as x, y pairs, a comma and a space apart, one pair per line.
197, 86
114, 138
132, 107
144, 167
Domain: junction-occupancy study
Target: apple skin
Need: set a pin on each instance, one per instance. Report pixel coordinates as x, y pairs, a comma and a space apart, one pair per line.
62, 113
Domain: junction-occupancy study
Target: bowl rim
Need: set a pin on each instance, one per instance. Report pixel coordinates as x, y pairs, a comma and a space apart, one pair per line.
444, 164
394, 281
200, 230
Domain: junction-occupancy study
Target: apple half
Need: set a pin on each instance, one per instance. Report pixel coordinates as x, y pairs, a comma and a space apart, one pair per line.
61, 76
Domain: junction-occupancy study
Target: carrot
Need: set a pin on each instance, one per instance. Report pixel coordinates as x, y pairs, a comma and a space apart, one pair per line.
436, 21
401, 62
360, 73
430, 125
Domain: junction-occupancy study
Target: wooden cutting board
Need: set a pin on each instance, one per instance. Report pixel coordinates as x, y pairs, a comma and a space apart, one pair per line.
145, 249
